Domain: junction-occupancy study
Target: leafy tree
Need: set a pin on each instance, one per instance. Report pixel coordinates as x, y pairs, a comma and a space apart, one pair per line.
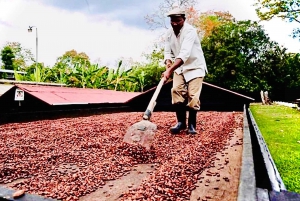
241, 57
207, 21
117, 79
87, 76
68, 65
157, 55
23, 56
58, 74
284, 9
290, 71
97, 76
72, 58
7, 57
148, 75
35, 73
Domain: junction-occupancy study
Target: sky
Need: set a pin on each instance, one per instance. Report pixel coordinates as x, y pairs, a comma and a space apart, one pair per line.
107, 30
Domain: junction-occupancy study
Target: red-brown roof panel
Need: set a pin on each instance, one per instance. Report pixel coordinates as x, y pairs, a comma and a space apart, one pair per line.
54, 95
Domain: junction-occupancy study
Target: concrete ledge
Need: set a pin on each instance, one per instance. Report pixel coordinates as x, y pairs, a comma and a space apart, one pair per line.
262, 194
273, 174
284, 196
247, 185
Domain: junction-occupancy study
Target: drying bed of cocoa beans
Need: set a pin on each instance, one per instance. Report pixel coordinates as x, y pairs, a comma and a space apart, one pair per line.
68, 158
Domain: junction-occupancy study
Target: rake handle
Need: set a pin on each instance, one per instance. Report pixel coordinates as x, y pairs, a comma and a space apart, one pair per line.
152, 103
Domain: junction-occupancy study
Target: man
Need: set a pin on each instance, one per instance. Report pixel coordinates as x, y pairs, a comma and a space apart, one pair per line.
183, 55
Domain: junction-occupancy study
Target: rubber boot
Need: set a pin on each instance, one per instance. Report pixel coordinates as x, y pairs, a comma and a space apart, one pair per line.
181, 119
192, 122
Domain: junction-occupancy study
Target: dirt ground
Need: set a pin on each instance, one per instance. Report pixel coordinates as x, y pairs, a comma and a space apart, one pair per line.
220, 183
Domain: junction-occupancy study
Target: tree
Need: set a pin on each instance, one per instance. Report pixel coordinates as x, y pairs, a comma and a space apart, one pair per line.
241, 57
67, 64
86, 76
72, 58
7, 57
207, 21
148, 75
35, 73
23, 56
119, 79
292, 70
284, 9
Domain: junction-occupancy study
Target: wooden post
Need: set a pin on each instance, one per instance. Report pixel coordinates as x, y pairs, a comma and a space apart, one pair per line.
267, 99
262, 97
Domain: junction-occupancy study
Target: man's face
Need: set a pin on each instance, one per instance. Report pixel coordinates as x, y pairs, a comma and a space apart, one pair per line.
177, 22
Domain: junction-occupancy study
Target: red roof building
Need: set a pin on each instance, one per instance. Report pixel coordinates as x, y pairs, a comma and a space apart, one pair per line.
54, 95
42, 101
25, 102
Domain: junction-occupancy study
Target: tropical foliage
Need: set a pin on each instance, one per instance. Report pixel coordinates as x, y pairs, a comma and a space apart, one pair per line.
7, 57
241, 57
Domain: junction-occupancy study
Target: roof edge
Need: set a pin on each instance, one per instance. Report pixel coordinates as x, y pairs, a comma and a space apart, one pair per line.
238, 94
23, 87
144, 92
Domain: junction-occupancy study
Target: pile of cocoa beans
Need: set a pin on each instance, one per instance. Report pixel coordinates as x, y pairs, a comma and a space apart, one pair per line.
67, 158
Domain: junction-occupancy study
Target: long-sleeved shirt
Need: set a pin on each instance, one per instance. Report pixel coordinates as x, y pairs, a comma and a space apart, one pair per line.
187, 47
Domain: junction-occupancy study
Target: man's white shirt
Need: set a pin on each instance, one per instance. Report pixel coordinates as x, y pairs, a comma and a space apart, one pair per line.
187, 47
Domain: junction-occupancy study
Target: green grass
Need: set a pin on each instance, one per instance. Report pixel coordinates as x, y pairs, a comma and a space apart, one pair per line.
280, 127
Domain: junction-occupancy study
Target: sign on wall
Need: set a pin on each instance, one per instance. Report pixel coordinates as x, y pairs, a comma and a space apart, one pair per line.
19, 95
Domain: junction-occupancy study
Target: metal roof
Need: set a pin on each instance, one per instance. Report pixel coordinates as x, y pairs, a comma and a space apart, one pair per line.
54, 95
59, 95
4, 88
235, 93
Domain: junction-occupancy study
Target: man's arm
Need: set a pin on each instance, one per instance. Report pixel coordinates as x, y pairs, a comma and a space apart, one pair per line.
177, 63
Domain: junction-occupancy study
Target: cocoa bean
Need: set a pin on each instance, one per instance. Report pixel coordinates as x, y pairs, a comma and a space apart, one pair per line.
18, 193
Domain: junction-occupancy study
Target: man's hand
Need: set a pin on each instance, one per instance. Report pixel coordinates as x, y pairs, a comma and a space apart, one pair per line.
168, 63
170, 69
167, 74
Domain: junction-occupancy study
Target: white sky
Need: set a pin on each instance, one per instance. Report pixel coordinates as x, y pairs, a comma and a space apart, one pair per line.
62, 30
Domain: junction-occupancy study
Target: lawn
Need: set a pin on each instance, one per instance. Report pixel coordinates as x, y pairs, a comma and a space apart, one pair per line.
280, 127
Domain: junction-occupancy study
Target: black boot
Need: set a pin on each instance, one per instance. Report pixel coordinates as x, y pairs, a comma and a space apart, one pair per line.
181, 119
192, 122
